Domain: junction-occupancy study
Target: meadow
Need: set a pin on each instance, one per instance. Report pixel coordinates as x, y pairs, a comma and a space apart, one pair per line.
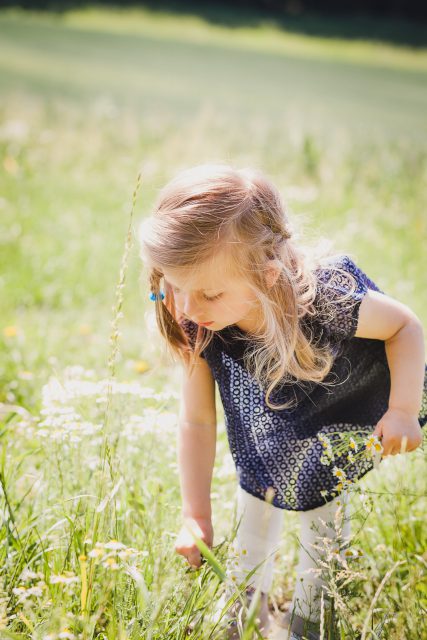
90, 505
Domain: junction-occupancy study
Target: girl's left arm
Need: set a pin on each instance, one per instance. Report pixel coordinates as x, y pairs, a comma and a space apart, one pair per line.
383, 318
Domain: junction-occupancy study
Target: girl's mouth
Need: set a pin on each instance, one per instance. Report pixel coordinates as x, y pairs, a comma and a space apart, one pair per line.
205, 324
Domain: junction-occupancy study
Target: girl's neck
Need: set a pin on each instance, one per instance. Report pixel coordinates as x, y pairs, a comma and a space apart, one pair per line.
251, 324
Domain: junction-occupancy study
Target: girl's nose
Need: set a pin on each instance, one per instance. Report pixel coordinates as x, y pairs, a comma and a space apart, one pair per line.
190, 306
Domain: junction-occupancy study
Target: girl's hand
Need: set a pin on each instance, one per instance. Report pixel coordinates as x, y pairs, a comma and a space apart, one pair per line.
394, 426
185, 544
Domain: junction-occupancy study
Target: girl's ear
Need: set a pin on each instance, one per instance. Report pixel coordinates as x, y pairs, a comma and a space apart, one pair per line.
272, 273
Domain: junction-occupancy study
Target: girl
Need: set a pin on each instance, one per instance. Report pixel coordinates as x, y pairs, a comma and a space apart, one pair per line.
307, 352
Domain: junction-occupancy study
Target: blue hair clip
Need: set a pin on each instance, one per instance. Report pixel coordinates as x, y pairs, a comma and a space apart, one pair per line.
153, 296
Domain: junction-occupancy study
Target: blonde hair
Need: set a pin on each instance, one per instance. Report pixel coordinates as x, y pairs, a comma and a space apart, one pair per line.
212, 206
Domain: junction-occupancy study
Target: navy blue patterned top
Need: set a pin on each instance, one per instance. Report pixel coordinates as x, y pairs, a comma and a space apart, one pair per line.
278, 453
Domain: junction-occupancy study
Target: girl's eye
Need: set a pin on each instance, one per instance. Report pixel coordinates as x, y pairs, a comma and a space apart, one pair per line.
209, 299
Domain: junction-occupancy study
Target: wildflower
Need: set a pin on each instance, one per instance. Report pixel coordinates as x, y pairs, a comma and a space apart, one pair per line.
141, 366
114, 545
372, 443
66, 634
352, 553
96, 553
27, 575
353, 444
36, 590
24, 593
325, 441
10, 165
324, 493
350, 457
110, 563
25, 375
126, 554
67, 578
10, 331
339, 473
85, 330
366, 501
328, 455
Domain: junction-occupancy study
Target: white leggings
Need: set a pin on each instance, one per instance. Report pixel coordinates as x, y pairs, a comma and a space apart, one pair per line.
258, 538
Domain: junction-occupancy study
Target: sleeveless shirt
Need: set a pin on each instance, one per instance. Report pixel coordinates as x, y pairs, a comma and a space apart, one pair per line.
278, 454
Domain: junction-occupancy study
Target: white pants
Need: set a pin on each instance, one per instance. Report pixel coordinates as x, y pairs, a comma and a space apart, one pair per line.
259, 536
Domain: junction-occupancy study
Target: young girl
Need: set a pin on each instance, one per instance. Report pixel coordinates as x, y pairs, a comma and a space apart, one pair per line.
306, 351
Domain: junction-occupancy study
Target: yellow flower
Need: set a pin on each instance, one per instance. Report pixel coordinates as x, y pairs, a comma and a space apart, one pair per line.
85, 330
110, 563
10, 165
141, 366
25, 375
11, 331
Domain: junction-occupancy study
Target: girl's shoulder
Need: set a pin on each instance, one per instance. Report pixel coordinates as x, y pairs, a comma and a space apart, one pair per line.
339, 273
340, 288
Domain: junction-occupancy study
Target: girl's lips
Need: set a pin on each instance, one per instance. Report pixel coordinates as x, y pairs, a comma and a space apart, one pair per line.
205, 324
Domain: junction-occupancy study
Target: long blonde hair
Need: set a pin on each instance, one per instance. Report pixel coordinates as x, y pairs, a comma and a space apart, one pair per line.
212, 206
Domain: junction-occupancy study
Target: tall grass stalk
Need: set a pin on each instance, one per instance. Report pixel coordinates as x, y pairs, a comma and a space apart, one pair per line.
107, 451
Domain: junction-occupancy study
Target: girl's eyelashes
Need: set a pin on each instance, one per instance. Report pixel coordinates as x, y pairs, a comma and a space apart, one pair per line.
213, 297
207, 298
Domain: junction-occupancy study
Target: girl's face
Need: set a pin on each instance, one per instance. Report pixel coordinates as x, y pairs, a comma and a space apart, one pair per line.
214, 297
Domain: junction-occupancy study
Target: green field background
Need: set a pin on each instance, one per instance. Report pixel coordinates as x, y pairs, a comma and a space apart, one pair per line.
89, 99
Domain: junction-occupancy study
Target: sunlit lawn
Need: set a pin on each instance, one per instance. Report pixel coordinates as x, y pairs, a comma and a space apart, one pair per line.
89, 100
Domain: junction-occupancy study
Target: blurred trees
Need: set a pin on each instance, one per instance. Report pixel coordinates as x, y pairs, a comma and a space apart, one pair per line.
406, 9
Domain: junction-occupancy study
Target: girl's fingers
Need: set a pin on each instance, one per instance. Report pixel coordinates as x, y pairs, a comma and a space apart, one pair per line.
194, 559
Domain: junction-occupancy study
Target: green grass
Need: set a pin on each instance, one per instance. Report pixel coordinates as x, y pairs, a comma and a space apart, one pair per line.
89, 100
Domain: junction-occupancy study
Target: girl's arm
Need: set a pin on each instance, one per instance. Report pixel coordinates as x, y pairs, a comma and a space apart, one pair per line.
196, 457
383, 318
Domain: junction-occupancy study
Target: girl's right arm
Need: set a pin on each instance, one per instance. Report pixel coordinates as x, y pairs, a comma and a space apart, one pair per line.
196, 456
